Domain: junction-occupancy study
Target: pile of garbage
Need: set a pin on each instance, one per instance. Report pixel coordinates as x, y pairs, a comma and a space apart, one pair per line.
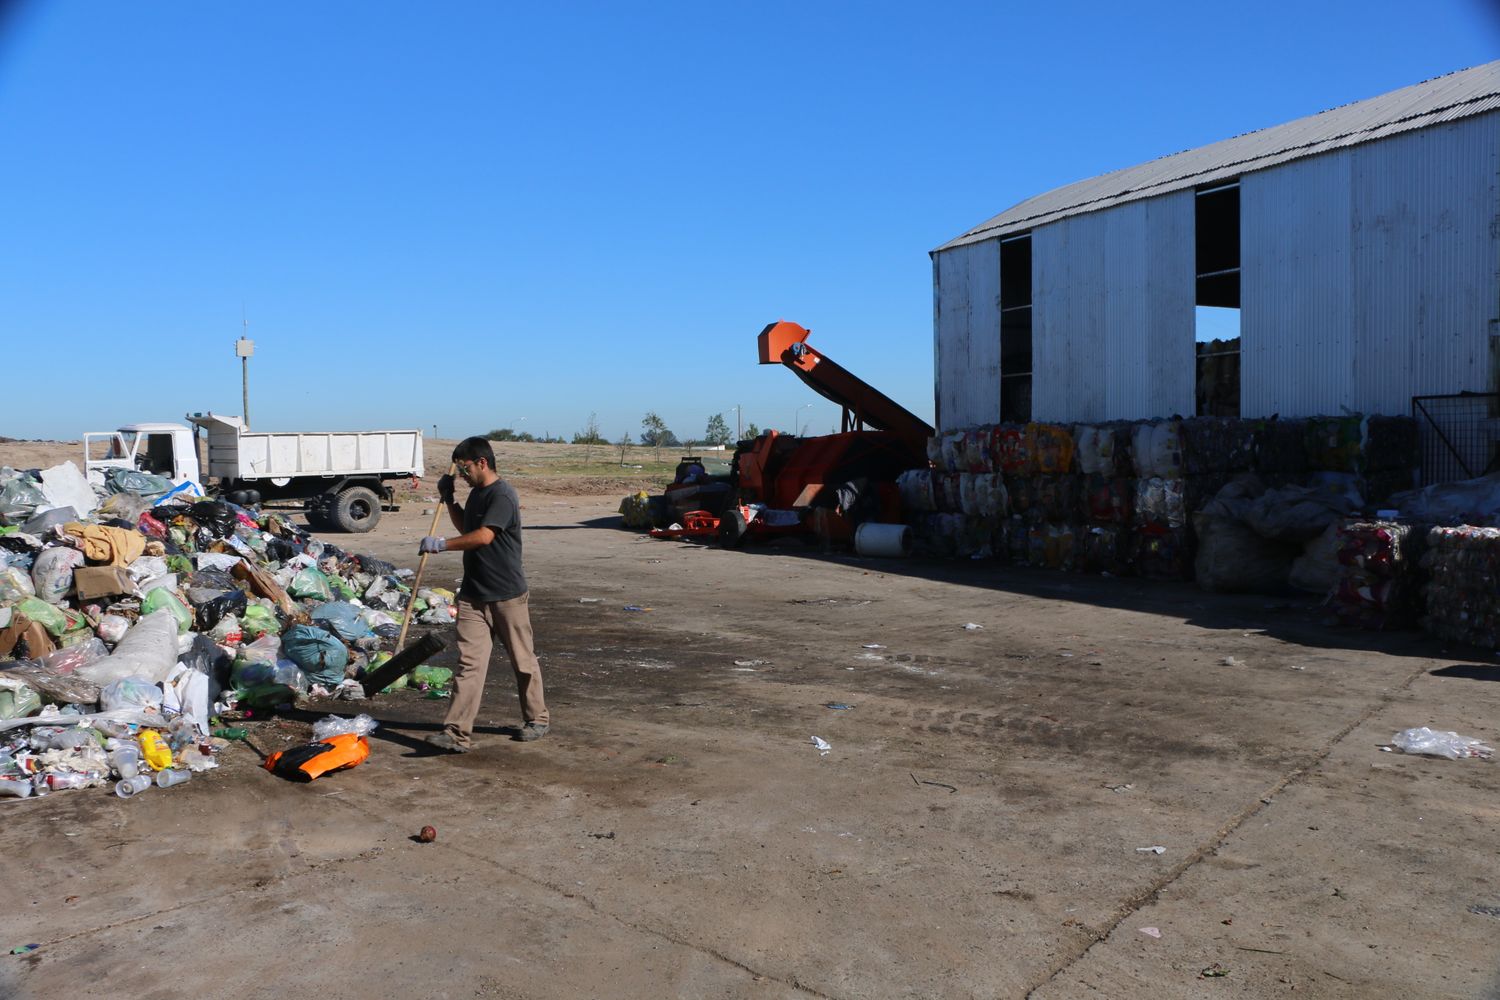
1120, 498
134, 613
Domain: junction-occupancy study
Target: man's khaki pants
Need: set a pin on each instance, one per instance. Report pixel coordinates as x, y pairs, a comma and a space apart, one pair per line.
479, 624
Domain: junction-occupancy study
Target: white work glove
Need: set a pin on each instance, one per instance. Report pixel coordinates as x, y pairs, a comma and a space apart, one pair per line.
432, 543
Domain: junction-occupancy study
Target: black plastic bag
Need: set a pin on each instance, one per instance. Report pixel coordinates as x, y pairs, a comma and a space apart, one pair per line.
209, 613
216, 516
378, 567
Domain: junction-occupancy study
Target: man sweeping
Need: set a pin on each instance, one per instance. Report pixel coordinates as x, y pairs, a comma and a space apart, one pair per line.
493, 601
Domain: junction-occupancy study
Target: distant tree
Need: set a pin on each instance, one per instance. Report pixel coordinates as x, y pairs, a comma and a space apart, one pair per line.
718, 430
653, 429
502, 434
589, 436
624, 443
654, 434
751, 433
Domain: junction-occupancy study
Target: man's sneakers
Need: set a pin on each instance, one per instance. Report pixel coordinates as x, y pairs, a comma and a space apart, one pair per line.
445, 741
532, 731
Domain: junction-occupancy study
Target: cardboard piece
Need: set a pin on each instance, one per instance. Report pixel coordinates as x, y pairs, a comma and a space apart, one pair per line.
91, 582
263, 585
37, 642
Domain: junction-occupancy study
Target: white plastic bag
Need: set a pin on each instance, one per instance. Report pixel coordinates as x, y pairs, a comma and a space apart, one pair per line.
333, 725
1430, 743
130, 692
148, 650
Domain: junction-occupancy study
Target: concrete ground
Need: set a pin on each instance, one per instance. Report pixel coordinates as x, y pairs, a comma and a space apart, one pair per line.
975, 830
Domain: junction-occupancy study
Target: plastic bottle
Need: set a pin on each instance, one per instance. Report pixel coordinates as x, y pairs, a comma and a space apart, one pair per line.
231, 733
58, 780
155, 750
169, 777
133, 786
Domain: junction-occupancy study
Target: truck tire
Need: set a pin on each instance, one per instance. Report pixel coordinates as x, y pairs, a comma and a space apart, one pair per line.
732, 528
356, 509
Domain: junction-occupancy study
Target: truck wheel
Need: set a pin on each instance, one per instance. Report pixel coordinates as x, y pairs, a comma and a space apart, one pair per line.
732, 528
356, 509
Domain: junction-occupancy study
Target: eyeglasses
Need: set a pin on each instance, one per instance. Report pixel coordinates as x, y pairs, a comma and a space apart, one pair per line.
463, 467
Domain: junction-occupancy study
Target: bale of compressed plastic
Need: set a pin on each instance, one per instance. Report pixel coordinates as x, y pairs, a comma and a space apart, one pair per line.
915, 487
1335, 444
1014, 450
1379, 584
1217, 445
1103, 548
1156, 449
1053, 448
1280, 448
1463, 601
977, 445
1160, 551
1160, 501
1391, 444
1108, 500
1055, 498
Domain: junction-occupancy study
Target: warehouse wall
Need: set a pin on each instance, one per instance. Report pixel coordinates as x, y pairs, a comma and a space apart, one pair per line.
966, 320
1112, 313
1372, 274
1368, 275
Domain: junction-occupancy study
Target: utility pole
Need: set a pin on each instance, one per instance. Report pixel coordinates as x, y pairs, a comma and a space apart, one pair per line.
243, 349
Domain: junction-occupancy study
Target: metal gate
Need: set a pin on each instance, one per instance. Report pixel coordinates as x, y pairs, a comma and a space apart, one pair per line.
1458, 435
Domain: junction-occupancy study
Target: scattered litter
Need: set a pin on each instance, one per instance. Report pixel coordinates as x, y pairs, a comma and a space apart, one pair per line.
823, 746
1151, 932
1120, 788
750, 663
837, 706
973, 627
1156, 849
24, 949
591, 600
1065, 654
1295, 667
1230, 661
603, 836
1429, 743
1484, 910
1215, 971
637, 607
873, 645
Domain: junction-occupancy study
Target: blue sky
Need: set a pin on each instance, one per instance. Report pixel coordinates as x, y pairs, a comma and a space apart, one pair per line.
466, 214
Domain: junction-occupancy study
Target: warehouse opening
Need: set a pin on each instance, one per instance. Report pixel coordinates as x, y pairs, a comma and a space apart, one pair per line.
1015, 328
1217, 318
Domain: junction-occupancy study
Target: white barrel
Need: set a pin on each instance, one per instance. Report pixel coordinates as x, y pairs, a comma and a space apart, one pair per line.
871, 539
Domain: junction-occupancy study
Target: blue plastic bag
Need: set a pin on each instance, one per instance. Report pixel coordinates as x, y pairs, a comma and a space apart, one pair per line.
319, 653
343, 619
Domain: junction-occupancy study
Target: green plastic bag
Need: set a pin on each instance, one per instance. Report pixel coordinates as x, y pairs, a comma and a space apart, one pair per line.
342, 589
181, 565
256, 621
46, 615
433, 677
18, 700
310, 583
159, 598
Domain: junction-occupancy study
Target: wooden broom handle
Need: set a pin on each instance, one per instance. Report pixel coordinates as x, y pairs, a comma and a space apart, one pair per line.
416, 582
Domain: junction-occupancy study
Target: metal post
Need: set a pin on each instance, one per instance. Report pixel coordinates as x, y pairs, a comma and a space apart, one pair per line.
244, 348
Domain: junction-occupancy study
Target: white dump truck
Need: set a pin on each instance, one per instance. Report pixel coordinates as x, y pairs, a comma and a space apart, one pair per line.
344, 479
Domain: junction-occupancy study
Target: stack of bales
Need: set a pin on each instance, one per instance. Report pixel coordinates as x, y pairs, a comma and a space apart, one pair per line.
1378, 585
1118, 498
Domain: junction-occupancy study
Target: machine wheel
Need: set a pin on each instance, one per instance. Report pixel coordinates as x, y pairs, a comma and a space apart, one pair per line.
356, 509
732, 528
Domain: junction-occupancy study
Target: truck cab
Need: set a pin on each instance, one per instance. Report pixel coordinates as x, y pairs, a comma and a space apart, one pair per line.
167, 450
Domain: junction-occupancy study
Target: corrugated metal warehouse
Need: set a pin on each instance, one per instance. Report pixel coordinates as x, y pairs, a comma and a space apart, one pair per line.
1359, 249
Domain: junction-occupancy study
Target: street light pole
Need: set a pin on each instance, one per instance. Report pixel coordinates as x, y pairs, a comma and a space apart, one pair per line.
243, 349
796, 414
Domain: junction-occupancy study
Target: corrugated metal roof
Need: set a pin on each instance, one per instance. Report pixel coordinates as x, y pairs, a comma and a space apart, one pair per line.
1446, 98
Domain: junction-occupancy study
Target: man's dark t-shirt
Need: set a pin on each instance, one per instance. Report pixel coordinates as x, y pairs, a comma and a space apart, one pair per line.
493, 572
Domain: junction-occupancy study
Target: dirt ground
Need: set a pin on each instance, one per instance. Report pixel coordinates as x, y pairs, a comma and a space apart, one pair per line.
975, 830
